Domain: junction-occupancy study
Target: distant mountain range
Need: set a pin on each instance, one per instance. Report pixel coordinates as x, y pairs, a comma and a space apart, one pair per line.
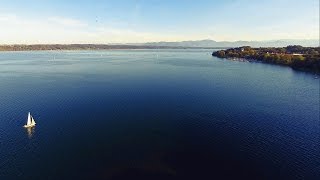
212, 43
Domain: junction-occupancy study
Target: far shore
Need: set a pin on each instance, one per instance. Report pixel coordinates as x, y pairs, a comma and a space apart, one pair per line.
295, 56
70, 47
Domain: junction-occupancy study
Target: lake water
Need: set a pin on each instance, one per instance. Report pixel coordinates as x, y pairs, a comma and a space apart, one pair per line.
155, 114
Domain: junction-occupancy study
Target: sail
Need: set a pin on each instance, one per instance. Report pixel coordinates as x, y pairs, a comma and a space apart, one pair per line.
32, 121
29, 119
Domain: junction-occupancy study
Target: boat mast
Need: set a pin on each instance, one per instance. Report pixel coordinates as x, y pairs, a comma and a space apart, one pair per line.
29, 119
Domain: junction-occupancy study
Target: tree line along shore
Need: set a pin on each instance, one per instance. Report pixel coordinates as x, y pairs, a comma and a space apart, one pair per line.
295, 56
49, 47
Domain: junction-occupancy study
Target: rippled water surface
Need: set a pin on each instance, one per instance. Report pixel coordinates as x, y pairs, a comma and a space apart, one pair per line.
155, 114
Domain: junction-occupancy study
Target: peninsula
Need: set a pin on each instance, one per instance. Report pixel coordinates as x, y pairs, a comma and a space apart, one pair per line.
297, 57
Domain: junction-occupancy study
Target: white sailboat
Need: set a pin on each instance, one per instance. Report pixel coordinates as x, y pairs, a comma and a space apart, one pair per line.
30, 122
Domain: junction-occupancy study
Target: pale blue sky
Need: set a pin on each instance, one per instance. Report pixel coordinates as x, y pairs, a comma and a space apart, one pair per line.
121, 21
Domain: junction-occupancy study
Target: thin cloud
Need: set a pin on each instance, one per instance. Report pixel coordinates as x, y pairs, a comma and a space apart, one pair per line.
8, 17
67, 21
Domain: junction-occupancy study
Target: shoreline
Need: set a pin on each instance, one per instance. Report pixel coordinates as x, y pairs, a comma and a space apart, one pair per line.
75, 47
317, 73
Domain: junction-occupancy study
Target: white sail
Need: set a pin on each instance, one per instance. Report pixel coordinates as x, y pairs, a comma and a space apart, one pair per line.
29, 119
33, 122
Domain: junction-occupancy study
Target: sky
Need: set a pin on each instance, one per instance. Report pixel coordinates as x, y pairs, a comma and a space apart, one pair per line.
137, 21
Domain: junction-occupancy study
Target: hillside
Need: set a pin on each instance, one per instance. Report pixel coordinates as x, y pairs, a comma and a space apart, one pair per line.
298, 57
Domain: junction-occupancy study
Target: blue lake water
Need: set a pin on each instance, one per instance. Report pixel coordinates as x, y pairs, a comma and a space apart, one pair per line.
155, 114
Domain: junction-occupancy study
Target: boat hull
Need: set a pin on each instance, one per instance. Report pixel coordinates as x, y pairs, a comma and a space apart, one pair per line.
28, 126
